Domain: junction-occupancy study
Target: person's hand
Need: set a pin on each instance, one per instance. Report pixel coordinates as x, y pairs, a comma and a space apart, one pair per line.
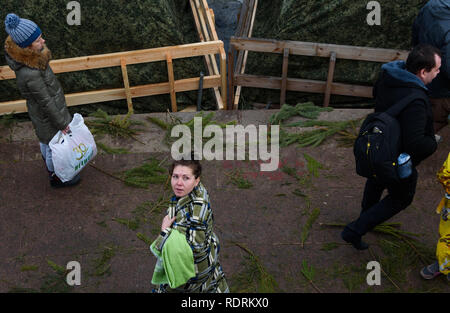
167, 222
66, 130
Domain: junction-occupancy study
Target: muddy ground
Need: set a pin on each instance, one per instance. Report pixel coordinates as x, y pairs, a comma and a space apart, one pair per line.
97, 222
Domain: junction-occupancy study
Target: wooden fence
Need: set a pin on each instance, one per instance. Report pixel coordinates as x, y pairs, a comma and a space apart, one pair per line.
287, 48
123, 59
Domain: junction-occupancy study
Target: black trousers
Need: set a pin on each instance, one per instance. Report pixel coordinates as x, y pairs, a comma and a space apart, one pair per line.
374, 211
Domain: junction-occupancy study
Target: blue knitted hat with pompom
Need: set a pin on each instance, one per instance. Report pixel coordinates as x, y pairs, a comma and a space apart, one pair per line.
22, 31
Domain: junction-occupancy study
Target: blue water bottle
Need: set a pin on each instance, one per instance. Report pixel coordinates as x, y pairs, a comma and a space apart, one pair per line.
404, 165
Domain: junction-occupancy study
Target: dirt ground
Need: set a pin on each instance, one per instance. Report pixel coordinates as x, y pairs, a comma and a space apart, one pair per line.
41, 226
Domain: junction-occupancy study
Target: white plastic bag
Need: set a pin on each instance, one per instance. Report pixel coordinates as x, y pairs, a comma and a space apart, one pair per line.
72, 152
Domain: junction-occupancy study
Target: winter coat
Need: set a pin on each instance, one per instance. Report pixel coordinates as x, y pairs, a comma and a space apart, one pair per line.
416, 120
432, 26
39, 86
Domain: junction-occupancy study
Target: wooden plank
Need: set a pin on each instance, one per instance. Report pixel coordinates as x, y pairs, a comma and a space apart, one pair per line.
131, 57
209, 20
173, 98
197, 21
241, 18
331, 67
244, 33
223, 75
242, 58
189, 84
231, 55
195, 13
213, 16
284, 72
206, 35
181, 85
126, 84
319, 49
304, 85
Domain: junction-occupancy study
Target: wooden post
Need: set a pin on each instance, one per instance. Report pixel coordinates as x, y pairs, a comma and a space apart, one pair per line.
211, 11
223, 74
126, 84
326, 100
231, 77
245, 31
284, 76
173, 98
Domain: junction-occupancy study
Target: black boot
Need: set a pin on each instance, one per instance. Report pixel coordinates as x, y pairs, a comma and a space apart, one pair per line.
55, 182
352, 237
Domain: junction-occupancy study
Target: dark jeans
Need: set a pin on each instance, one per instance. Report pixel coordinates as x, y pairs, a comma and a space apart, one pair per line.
374, 211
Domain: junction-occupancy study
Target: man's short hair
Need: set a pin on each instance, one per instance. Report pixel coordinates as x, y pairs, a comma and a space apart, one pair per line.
422, 57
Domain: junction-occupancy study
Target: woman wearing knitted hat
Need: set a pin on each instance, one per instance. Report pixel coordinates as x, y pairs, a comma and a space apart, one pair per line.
28, 56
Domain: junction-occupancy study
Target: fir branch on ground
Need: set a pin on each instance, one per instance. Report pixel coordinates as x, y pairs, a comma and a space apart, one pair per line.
312, 165
255, 277
102, 265
237, 179
111, 150
328, 246
57, 268
307, 110
131, 224
56, 282
168, 126
7, 121
403, 239
291, 171
144, 213
312, 217
114, 126
148, 173
144, 238
309, 272
26, 268
324, 130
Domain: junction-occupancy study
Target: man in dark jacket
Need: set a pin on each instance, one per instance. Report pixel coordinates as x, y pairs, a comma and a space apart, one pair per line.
398, 80
432, 26
28, 56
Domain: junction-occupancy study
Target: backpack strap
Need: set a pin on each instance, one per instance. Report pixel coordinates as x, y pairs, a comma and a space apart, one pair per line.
395, 109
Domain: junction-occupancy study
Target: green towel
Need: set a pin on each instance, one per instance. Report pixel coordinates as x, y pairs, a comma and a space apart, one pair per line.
175, 266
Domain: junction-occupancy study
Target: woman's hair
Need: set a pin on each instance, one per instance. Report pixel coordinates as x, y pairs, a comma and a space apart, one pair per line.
189, 162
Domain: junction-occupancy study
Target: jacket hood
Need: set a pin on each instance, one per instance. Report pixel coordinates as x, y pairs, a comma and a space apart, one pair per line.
397, 70
440, 9
17, 57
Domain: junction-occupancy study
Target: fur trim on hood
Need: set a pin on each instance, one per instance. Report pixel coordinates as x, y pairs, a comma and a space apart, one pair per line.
26, 56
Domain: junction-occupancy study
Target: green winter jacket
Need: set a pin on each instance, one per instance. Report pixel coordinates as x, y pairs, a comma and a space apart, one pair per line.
39, 86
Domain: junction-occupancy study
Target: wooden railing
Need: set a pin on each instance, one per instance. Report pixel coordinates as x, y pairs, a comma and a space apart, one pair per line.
123, 59
287, 48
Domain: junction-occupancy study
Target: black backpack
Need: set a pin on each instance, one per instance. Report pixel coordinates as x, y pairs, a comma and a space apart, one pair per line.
378, 144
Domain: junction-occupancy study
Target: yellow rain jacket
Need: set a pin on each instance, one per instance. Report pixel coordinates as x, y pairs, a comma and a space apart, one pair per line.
443, 246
